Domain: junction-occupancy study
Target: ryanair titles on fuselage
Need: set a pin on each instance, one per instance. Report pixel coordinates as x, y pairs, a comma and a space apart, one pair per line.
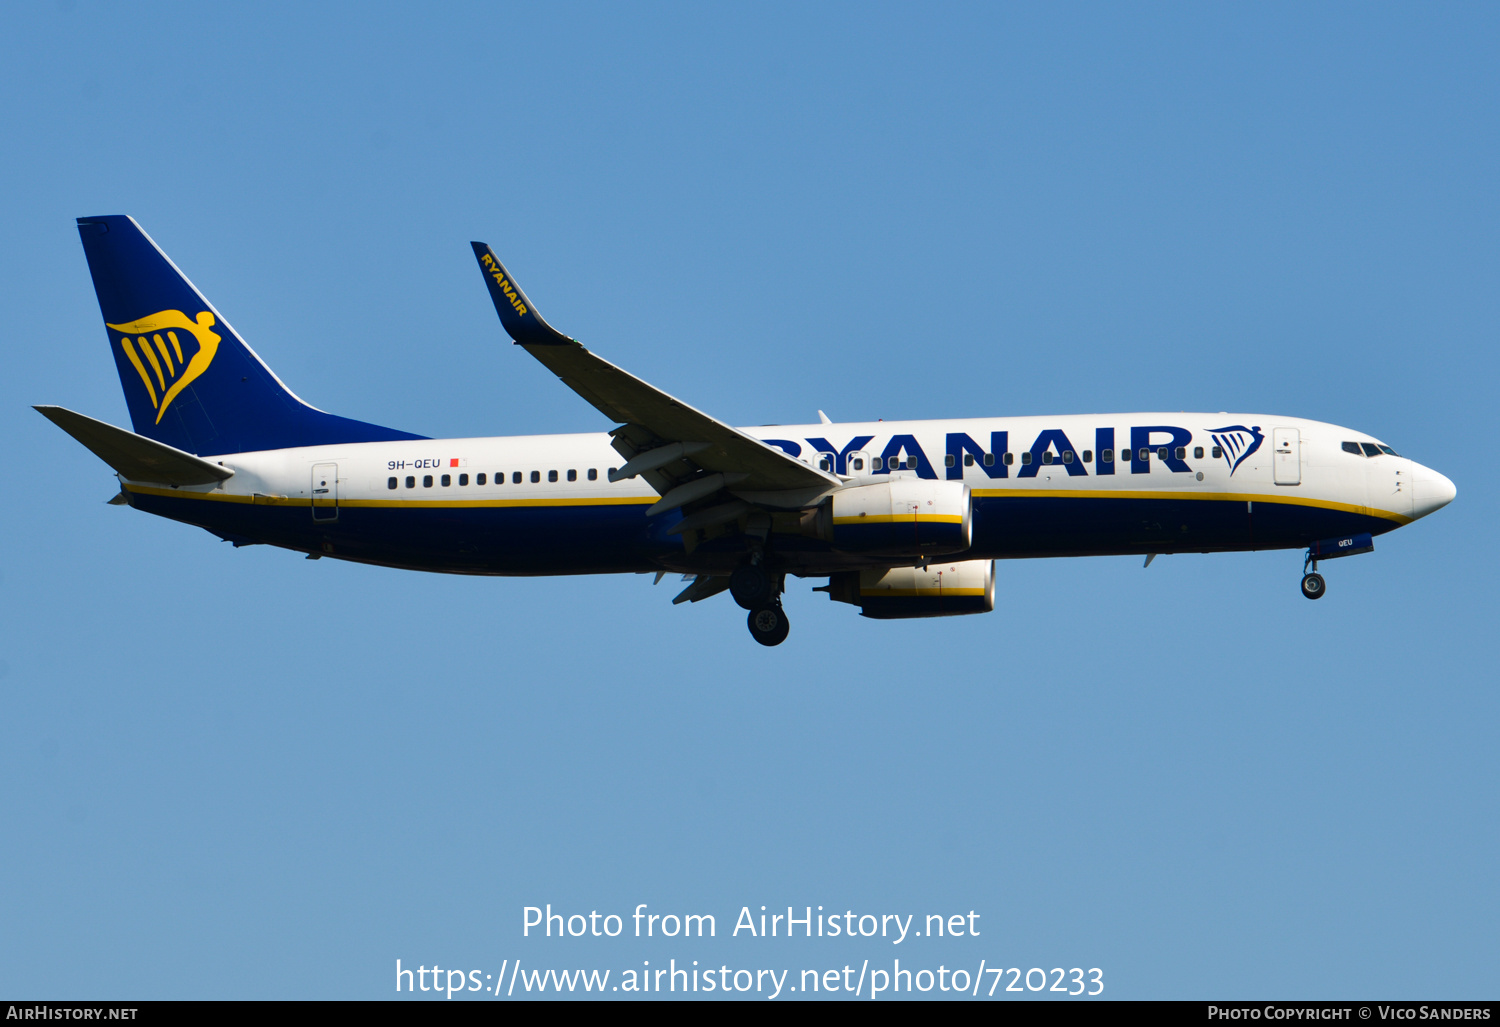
1164, 444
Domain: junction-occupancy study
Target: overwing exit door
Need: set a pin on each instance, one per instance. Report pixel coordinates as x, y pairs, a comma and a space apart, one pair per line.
325, 492
1286, 444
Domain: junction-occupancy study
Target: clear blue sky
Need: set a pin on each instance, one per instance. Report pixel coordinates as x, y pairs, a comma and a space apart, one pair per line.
239, 773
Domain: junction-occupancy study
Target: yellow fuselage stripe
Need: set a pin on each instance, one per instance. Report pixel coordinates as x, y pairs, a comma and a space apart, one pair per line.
406, 504
901, 519
907, 592
411, 504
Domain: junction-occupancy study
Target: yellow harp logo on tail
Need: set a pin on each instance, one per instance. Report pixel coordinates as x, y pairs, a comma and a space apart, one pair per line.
157, 346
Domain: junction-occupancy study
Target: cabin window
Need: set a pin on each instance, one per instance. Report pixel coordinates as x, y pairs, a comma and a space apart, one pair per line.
427, 481
1197, 452
1218, 452
447, 480
1047, 457
989, 460
572, 475
968, 459
1144, 454
1161, 452
1025, 458
859, 464
1371, 449
536, 476
411, 482
952, 461
390, 483
1088, 456
1106, 456
479, 479
824, 464
551, 475
1181, 452
1067, 456
593, 474
463, 479
1010, 458
612, 470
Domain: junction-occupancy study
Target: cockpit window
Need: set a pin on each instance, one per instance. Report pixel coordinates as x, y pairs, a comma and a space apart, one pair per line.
1371, 449
1352, 447
1388, 451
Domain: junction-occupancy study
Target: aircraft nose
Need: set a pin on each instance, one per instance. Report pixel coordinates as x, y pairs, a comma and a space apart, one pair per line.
1432, 491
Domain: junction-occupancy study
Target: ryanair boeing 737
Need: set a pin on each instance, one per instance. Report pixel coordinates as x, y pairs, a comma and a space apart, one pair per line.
904, 518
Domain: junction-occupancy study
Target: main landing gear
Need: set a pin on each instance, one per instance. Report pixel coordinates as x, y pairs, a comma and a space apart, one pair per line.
759, 591
752, 587
768, 623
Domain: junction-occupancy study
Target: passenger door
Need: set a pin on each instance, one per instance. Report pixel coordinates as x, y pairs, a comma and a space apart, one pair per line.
325, 492
1286, 446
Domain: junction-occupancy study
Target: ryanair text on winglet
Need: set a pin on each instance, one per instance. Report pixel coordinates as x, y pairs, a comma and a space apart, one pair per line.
503, 283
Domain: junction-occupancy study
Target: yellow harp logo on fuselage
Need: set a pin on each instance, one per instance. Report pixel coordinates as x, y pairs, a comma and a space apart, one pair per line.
157, 346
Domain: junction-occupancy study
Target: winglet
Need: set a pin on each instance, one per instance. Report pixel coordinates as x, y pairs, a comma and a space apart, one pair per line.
517, 315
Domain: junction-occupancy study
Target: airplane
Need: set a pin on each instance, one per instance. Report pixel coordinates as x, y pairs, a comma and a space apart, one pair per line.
904, 518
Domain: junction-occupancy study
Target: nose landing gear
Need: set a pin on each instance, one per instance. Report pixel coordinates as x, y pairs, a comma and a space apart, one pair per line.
1313, 585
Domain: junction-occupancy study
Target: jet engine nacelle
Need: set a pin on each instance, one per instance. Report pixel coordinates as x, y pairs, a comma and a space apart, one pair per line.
902, 516
940, 590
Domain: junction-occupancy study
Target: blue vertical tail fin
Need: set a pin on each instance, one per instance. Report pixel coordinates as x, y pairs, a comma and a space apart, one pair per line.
190, 381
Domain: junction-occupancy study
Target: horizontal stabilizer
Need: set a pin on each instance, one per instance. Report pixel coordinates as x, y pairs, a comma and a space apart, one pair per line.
135, 457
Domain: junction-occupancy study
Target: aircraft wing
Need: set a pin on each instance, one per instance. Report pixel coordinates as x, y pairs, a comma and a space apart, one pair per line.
670, 444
